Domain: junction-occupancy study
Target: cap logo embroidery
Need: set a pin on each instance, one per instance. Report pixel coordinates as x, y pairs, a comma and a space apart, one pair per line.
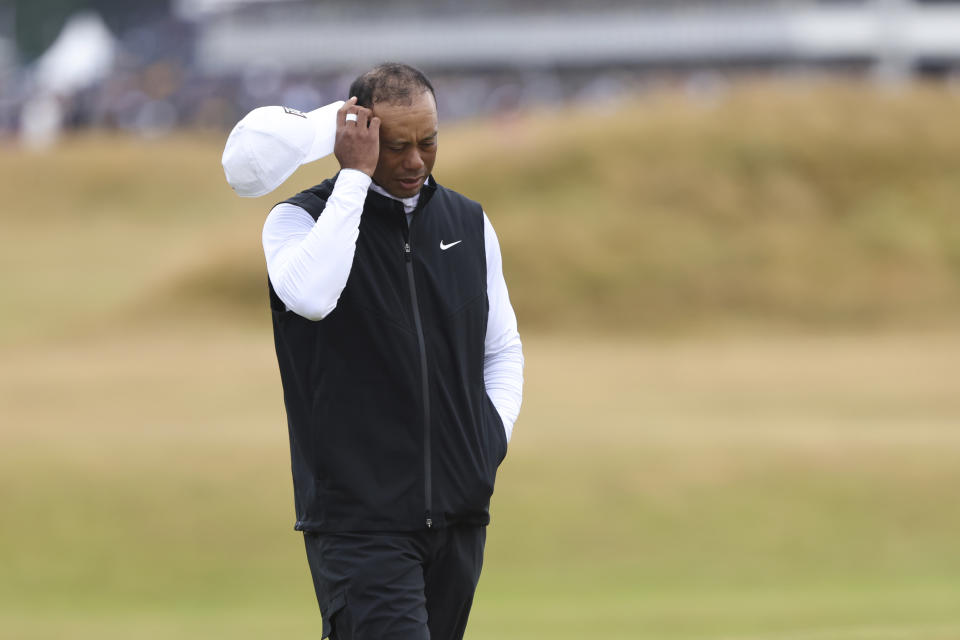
294, 112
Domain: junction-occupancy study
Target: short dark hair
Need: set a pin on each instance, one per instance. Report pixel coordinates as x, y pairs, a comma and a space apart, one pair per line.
392, 83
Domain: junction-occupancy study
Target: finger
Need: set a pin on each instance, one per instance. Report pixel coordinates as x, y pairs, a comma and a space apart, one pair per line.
362, 115
375, 126
342, 111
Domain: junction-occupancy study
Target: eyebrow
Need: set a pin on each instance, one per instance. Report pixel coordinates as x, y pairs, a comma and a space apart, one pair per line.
424, 139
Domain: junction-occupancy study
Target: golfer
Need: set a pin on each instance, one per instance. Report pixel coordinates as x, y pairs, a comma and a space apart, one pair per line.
401, 366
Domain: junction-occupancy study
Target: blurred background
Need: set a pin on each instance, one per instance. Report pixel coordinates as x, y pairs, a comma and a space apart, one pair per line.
731, 234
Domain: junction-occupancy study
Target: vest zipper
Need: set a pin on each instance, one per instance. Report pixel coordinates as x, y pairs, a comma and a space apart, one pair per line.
427, 463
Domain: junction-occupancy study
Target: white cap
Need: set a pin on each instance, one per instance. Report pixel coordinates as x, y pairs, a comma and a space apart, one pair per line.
269, 143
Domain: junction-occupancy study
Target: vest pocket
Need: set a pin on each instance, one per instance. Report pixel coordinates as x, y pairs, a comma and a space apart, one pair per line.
459, 306
499, 433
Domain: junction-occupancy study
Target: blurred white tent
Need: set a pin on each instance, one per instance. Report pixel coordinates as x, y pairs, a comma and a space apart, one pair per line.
82, 54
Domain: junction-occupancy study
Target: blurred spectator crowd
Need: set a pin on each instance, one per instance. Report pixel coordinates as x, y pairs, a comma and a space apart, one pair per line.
145, 74
146, 81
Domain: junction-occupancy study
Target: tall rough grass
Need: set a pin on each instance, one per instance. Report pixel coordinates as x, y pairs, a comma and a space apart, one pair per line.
811, 204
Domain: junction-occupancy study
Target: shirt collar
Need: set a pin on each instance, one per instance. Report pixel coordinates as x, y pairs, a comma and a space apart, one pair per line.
409, 204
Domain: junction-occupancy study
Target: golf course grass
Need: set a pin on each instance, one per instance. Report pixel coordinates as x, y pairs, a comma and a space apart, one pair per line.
741, 417
786, 488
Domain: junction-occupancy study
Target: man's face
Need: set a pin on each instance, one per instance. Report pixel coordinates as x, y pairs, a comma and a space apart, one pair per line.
408, 144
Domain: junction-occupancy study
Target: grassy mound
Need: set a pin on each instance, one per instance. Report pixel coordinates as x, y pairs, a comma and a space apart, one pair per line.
808, 205
813, 205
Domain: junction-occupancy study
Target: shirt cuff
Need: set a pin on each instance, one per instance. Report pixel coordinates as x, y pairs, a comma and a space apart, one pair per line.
353, 178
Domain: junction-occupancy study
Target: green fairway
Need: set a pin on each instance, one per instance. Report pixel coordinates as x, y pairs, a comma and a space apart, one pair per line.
741, 417
791, 488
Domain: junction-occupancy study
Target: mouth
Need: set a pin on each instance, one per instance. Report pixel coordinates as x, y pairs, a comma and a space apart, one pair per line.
410, 183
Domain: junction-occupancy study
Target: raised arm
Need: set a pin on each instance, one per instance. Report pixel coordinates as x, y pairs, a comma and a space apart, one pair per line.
308, 262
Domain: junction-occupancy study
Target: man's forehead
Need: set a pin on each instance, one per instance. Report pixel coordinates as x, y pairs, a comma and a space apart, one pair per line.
405, 121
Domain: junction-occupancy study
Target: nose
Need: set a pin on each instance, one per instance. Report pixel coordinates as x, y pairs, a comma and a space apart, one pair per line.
412, 161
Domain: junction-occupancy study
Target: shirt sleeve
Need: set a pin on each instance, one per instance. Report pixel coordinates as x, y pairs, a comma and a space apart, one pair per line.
503, 351
308, 262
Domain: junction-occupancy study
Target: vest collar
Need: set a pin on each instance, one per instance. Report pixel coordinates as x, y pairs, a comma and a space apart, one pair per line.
413, 203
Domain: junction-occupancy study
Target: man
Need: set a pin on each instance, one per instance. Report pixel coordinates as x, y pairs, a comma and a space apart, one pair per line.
401, 366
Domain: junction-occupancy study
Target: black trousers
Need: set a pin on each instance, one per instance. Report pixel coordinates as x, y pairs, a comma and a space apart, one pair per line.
396, 586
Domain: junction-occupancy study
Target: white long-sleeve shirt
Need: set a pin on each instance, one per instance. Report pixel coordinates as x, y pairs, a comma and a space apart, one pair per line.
309, 263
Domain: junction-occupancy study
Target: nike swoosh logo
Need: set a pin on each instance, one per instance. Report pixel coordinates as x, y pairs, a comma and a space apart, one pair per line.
444, 247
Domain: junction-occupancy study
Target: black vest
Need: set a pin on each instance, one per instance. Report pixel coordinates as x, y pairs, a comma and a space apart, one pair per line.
391, 428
